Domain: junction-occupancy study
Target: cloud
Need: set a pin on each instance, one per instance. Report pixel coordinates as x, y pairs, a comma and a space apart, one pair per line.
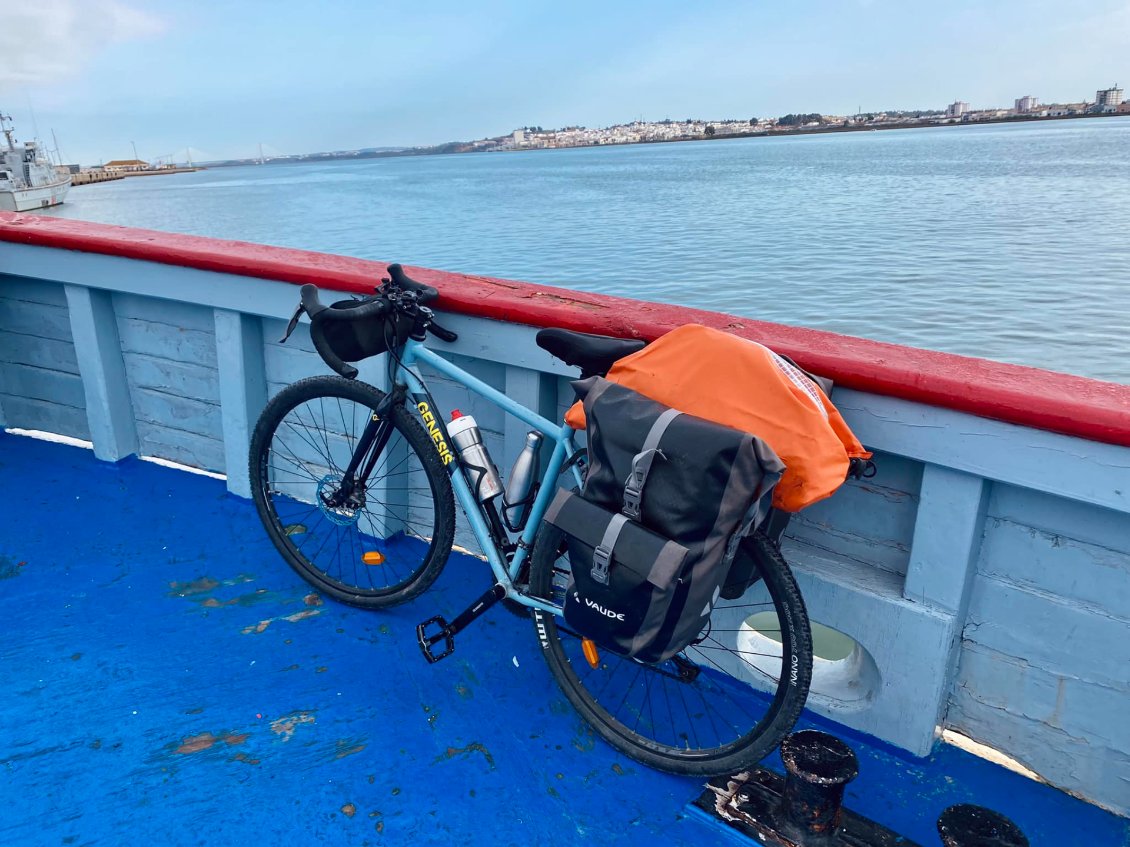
52, 40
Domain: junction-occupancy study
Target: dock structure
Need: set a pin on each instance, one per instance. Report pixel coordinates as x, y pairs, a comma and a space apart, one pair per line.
981, 578
90, 177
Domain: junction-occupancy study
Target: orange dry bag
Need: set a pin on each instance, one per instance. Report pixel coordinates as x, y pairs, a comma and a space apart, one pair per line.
746, 386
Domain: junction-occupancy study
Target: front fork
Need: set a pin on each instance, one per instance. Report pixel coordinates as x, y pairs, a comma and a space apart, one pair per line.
351, 492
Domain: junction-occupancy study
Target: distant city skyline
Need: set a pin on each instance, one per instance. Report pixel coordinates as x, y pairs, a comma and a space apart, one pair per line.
166, 75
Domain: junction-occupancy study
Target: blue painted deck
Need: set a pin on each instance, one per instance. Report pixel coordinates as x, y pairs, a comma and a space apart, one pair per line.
169, 680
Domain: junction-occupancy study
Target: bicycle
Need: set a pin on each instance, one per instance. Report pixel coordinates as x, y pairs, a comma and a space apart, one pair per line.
356, 488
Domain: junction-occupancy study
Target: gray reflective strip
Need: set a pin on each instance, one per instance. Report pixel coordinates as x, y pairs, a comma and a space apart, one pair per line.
602, 555
612, 531
642, 461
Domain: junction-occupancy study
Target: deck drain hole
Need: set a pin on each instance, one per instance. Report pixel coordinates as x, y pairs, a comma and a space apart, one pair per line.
844, 675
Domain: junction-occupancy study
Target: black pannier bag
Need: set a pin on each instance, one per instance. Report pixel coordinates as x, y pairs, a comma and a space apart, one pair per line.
353, 341
651, 537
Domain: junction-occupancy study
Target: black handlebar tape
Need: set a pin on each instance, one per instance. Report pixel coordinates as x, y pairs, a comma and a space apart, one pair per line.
310, 300
318, 336
425, 293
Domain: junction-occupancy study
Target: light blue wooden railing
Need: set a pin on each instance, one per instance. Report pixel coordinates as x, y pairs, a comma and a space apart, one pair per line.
984, 574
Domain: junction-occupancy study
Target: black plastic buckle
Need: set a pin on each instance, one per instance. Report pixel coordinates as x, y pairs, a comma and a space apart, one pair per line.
633, 498
601, 561
427, 642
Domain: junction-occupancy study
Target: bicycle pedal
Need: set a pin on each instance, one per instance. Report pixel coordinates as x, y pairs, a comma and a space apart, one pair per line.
428, 642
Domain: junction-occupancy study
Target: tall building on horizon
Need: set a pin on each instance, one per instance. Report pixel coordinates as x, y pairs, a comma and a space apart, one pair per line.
956, 109
1027, 103
1111, 97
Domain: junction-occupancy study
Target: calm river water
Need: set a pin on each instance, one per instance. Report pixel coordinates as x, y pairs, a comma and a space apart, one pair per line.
1008, 242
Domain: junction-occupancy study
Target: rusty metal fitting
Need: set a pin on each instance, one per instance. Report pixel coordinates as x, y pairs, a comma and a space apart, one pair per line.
818, 767
966, 825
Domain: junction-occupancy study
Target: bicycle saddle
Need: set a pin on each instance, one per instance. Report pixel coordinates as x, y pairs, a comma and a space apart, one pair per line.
593, 354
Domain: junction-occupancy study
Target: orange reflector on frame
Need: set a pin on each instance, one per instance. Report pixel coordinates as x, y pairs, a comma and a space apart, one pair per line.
589, 647
373, 558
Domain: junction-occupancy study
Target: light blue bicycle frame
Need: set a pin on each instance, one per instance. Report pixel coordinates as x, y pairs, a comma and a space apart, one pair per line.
564, 447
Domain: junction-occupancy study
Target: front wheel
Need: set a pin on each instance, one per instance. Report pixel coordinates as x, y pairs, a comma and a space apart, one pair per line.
720, 705
372, 544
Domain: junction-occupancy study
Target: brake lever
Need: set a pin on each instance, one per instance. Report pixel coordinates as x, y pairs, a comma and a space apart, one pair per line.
441, 333
293, 323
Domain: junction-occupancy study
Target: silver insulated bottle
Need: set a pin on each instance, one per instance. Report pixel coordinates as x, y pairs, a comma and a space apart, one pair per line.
521, 482
482, 475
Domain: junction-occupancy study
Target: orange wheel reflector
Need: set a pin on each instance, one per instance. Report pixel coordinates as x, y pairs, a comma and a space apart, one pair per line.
373, 558
589, 646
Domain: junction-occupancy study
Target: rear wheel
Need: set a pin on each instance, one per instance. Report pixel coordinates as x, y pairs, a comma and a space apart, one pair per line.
388, 540
720, 705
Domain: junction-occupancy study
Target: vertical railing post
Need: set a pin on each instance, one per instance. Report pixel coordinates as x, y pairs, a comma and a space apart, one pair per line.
109, 409
243, 389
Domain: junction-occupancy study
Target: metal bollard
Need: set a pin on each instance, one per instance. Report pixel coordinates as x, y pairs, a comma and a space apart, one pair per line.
966, 825
818, 767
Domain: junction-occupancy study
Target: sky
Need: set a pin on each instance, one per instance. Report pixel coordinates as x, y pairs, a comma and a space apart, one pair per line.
222, 78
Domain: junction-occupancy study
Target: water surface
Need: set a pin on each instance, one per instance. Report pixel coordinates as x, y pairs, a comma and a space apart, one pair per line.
1006, 241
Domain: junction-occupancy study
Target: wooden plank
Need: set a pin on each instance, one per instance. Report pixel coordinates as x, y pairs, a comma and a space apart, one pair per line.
1059, 726
177, 315
180, 413
32, 290
169, 376
108, 406
168, 342
26, 413
35, 319
1070, 467
242, 388
1074, 571
42, 384
48, 353
1060, 635
1061, 517
177, 445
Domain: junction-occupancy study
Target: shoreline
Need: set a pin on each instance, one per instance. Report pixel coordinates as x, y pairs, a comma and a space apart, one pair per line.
801, 131
391, 154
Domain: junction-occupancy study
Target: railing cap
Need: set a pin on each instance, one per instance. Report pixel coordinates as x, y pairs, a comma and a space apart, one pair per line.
1073, 405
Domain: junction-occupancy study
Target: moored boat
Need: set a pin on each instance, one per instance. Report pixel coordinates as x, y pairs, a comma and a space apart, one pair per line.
28, 180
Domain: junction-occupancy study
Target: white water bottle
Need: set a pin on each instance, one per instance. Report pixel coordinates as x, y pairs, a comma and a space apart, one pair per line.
482, 475
522, 478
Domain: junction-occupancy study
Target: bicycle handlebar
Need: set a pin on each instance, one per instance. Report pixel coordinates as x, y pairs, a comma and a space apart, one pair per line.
367, 310
424, 293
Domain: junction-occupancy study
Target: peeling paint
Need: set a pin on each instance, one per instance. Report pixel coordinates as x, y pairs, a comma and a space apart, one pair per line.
473, 747
263, 624
285, 726
347, 747
206, 740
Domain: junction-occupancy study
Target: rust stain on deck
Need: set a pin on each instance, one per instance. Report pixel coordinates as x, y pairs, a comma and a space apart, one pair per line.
473, 747
312, 600
202, 585
246, 759
347, 747
206, 740
349, 810
285, 726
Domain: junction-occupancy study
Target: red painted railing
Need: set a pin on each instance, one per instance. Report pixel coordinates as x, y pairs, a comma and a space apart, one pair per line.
1072, 405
